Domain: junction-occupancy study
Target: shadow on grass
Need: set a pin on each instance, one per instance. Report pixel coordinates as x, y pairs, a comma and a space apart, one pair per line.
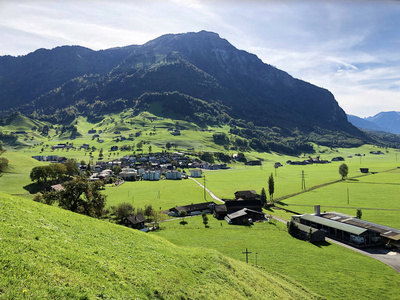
353, 179
281, 203
321, 244
34, 188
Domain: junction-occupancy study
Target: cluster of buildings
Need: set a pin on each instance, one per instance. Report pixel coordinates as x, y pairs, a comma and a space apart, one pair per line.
347, 229
244, 210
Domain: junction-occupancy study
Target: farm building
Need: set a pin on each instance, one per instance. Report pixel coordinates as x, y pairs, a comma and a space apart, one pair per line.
192, 209
351, 230
247, 195
230, 206
317, 235
244, 216
135, 221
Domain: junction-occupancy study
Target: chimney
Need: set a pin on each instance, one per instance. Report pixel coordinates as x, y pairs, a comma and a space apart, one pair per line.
317, 209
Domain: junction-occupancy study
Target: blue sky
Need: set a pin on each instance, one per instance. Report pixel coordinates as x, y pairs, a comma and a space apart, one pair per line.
351, 48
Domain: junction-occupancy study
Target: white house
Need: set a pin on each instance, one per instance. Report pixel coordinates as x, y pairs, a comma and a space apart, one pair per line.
173, 175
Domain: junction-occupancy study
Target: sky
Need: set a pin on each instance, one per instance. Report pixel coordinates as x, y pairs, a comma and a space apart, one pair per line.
351, 48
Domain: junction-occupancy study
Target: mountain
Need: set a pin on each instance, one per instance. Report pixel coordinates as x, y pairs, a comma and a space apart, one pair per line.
384, 121
363, 123
389, 121
75, 80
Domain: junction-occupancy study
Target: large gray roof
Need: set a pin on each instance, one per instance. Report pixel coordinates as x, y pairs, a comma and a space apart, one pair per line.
334, 224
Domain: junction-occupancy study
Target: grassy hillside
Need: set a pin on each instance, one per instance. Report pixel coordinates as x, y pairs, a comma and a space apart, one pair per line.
328, 269
49, 253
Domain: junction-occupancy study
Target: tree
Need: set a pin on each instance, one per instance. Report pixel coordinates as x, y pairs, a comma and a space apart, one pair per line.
72, 167
3, 164
343, 171
205, 219
168, 145
263, 197
271, 187
150, 149
359, 214
182, 214
148, 211
124, 210
82, 196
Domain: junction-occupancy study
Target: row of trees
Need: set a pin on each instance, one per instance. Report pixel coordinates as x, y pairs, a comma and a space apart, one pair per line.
271, 190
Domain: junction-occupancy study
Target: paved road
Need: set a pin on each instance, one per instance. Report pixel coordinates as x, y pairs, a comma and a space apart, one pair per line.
388, 257
208, 191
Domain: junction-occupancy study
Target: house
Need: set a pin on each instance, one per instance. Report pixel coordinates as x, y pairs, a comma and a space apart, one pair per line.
195, 173
277, 165
176, 132
135, 222
117, 132
114, 148
62, 160
364, 170
40, 157
230, 206
244, 216
247, 195
339, 158
57, 187
91, 131
85, 146
253, 163
192, 209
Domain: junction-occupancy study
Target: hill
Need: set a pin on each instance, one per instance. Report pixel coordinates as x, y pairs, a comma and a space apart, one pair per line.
202, 66
46, 254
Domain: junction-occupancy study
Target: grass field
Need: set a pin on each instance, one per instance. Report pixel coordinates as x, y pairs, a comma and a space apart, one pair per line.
375, 194
162, 195
328, 269
50, 253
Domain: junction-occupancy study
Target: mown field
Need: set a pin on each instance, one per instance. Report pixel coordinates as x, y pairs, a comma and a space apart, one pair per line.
50, 253
328, 269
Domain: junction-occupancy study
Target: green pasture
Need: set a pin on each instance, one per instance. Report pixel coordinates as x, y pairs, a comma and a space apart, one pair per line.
50, 253
376, 194
15, 180
328, 269
162, 194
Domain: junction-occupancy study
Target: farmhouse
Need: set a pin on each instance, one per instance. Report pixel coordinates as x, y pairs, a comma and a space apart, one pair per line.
135, 221
350, 230
247, 195
253, 163
230, 206
244, 216
192, 209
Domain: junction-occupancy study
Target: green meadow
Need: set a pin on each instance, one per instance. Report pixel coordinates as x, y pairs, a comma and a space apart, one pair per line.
327, 269
162, 195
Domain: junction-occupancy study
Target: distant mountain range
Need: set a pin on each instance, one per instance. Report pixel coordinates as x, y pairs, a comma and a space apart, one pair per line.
219, 82
384, 121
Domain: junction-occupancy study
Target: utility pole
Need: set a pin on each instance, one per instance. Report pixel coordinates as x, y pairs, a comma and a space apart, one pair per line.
204, 185
256, 259
348, 196
247, 256
303, 180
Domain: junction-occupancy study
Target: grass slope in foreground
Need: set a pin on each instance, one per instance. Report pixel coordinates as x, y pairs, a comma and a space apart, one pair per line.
49, 253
